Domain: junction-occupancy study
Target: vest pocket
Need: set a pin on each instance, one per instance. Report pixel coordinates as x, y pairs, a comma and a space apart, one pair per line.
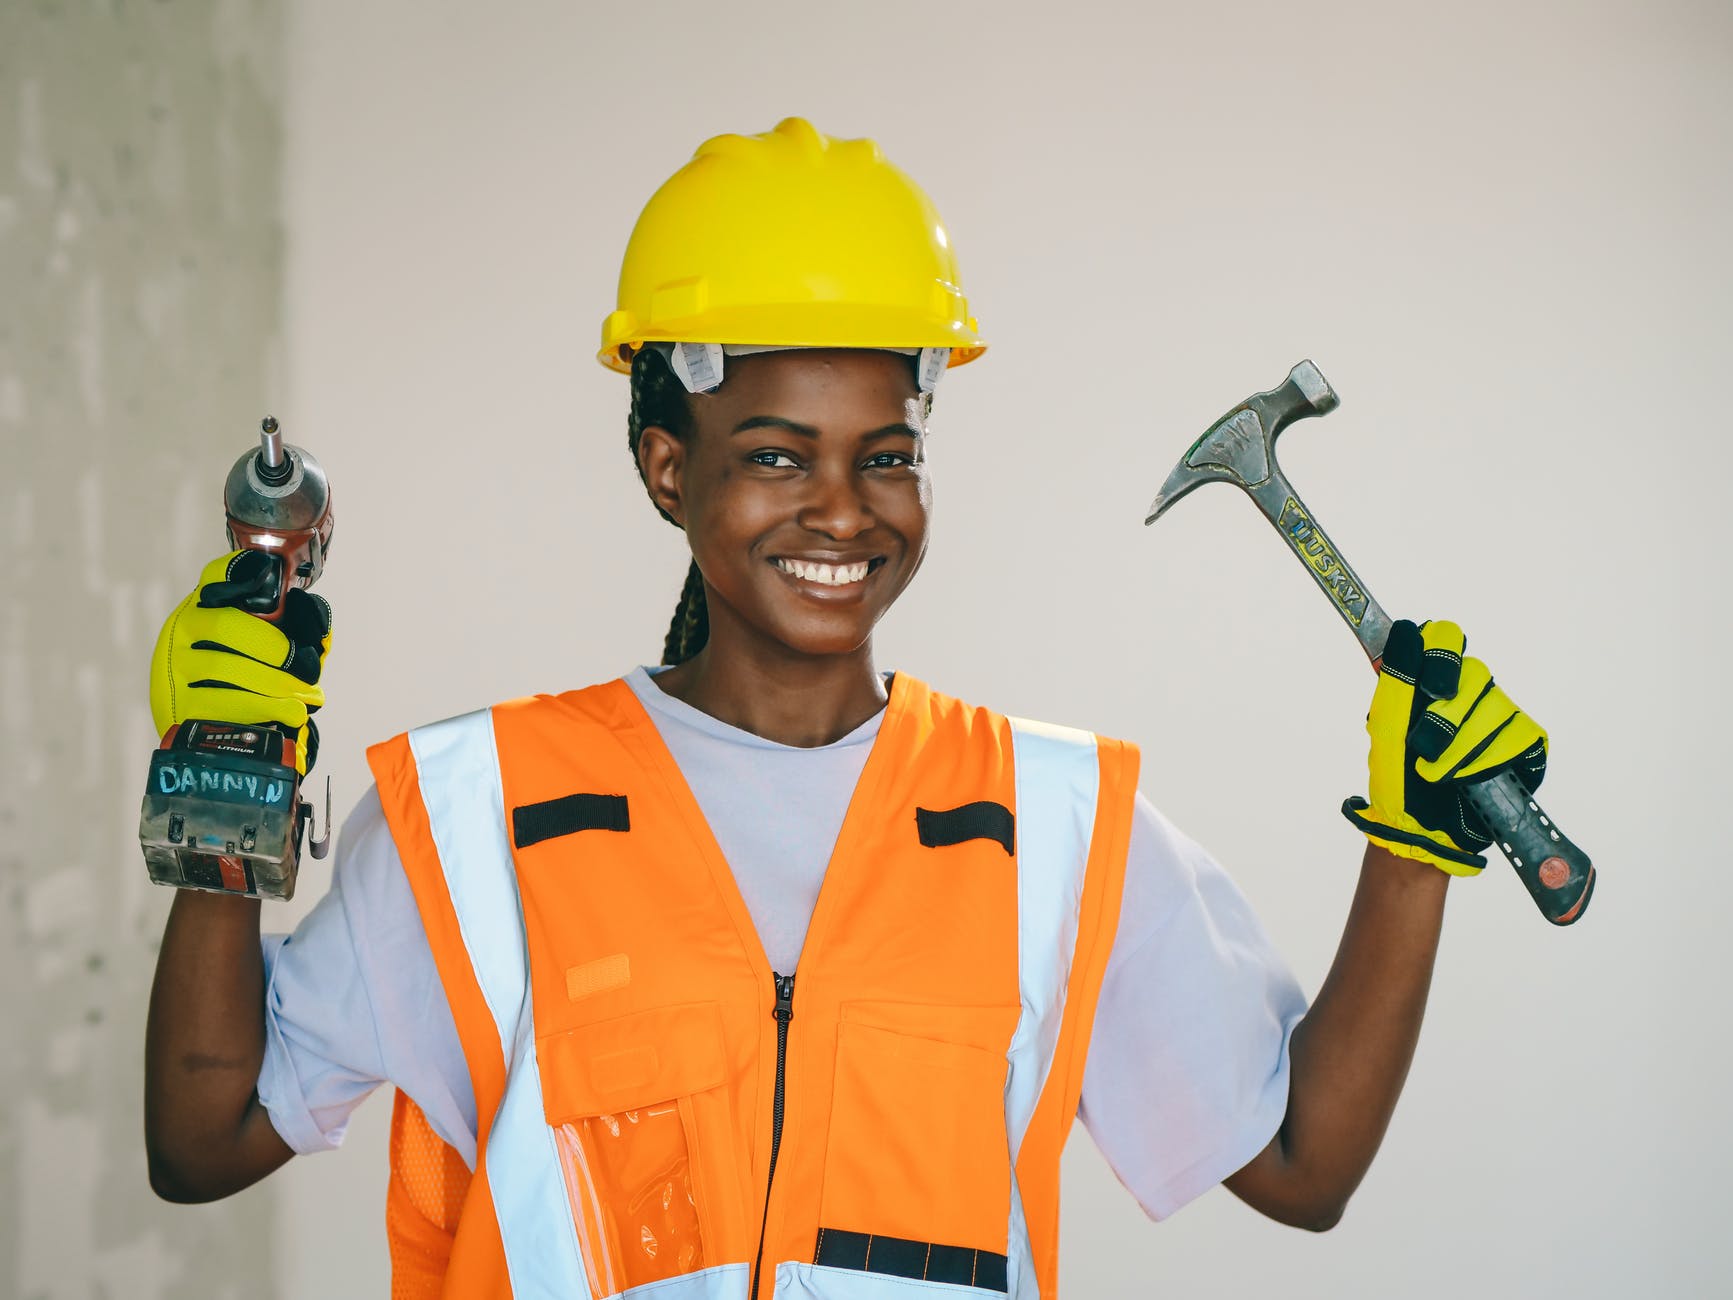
917, 1147
641, 1123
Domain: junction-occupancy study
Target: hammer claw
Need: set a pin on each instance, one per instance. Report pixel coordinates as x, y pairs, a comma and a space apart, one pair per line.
1182, 480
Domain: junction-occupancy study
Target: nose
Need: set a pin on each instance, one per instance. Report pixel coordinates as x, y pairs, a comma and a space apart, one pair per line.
835, 505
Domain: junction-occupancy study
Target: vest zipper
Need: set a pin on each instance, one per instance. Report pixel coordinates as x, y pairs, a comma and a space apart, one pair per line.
783, 1012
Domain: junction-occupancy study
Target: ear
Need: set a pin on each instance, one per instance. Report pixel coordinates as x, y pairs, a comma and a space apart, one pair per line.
661, 458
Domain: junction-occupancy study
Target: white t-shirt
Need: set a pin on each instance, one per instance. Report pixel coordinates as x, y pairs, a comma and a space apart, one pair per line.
1187, 1074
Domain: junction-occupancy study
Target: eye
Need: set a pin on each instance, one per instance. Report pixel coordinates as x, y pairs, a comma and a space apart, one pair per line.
772, 459
890, 460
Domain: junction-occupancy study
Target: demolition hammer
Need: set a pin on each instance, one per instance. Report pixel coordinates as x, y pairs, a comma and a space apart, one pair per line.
222, 807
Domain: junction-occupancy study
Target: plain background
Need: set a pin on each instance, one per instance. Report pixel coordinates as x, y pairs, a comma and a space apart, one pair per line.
141, 291
1499, 230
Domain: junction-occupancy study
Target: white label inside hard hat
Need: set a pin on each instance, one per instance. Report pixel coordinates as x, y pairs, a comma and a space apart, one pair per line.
699, 365
930, 367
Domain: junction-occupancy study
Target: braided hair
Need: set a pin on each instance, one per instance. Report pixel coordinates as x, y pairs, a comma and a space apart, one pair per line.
659, 398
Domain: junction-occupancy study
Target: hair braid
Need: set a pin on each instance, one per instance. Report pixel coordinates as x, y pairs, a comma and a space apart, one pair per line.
659, 398
689, 629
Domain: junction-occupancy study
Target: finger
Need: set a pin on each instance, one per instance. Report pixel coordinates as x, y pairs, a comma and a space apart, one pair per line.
207, 667
307, 617
1500, 745
220, 704
1441, 658
244, 574
307, 623
1435, 729
1485, 729
1404, 651
1530, 765
235, 630
218, 569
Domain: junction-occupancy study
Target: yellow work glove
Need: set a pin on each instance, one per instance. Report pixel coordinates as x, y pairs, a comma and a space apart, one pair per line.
1439, 723
219, 663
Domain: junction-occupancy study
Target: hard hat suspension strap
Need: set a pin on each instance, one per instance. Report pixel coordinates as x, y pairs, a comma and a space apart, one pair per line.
699, 365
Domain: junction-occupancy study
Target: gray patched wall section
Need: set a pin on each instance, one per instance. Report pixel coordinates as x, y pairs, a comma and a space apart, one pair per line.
141, 288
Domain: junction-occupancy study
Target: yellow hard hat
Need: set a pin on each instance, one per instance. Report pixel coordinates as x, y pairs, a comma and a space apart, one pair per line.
790, 239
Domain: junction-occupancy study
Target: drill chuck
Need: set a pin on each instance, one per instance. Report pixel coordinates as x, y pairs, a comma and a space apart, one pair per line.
274, 467
278, 500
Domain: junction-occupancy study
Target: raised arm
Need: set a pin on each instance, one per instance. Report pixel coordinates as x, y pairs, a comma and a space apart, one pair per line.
1350, 1055
1436, 721
206, 1135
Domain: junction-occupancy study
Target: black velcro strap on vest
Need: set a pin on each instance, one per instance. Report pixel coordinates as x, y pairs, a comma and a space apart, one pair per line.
535, 822
985, 820
897, 1257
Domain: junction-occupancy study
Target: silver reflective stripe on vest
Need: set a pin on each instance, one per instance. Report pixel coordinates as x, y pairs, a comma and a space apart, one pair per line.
458, 769
1058, 776
815, 1282
724, 1282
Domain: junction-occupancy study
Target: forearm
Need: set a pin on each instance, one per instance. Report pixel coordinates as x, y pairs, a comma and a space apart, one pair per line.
205, 1133
1350, 1055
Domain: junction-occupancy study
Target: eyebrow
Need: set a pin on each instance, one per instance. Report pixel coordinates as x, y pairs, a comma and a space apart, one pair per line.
808, 431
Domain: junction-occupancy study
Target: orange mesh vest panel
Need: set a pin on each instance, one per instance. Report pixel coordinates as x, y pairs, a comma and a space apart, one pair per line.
656, 1107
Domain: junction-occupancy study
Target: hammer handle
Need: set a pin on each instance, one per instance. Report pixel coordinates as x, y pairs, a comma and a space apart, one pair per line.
1312, 546
1557, 874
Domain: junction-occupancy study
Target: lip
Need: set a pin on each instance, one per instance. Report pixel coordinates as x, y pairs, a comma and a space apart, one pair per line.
821, 557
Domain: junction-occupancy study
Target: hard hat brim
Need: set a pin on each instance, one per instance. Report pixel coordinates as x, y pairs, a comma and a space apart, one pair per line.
809, 325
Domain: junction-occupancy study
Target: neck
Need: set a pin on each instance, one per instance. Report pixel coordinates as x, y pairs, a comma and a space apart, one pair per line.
802, 700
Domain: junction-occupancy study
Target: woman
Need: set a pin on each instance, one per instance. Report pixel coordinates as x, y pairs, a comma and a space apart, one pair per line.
768, 973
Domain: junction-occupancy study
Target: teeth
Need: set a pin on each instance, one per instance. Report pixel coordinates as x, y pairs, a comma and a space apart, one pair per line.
826, 575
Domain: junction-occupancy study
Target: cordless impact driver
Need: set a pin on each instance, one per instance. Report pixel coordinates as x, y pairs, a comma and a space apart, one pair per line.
223, 808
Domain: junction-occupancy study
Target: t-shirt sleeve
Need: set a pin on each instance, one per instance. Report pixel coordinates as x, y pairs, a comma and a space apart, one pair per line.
353, 1000
1187, 1074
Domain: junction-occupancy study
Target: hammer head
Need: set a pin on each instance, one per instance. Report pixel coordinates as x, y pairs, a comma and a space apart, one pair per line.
1240, 448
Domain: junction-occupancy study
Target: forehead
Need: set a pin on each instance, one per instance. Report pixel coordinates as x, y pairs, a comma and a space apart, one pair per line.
841, 389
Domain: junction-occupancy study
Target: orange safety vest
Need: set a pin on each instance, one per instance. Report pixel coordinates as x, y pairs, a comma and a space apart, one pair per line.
655, 1105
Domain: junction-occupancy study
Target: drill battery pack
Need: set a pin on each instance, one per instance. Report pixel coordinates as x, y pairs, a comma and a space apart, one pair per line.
223, 810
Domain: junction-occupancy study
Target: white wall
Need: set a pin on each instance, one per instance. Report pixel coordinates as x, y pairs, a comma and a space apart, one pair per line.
1500, 232
141, 290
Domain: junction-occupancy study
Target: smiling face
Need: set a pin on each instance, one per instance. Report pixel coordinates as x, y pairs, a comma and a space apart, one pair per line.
803, 491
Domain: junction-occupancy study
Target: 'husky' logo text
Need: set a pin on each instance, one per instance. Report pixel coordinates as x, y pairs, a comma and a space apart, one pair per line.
1309, 540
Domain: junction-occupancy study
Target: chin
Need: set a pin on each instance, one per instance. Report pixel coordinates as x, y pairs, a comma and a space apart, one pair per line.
825, 642
800, 624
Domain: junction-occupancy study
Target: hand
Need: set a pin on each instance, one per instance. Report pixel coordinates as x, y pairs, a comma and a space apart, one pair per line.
1438, 723
216, 662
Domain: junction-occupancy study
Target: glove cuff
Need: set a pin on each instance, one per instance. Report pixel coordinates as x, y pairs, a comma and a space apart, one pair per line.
1443, 856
